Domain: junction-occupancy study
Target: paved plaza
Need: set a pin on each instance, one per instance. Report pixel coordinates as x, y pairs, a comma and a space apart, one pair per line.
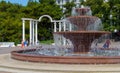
8, 65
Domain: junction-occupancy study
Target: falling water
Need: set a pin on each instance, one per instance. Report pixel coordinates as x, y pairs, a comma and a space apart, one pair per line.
85, 38
96, 26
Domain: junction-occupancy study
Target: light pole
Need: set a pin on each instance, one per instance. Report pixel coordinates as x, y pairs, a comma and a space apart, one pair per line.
115, 34
111, 19
115, 30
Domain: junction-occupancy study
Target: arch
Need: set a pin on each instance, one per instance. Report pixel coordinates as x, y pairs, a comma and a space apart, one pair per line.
45, 16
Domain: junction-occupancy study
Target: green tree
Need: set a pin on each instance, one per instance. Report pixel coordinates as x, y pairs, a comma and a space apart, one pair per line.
107, 11
44, 7
11, 23
68, 6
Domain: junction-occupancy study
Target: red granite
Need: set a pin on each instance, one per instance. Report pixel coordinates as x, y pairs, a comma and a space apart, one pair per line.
82, 40
82, 11
82, 22
66, 59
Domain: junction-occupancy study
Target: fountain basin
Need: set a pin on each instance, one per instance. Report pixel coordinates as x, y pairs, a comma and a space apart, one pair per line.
65, 59
74, 46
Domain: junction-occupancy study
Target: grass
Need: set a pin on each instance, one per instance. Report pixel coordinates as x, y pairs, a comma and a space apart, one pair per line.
47, 42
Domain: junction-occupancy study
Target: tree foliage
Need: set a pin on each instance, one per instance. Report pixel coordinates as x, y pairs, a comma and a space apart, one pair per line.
11, 23
107, 11
11, 14
68, 6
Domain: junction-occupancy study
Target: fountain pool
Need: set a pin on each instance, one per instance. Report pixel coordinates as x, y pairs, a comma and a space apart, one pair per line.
81, 51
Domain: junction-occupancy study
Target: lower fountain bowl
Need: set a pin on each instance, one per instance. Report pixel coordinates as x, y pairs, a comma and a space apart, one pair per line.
65, 59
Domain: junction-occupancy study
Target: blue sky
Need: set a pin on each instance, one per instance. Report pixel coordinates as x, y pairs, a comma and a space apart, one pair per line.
23, 2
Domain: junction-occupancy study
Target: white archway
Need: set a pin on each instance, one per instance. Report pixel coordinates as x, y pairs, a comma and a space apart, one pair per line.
45, 16
33, 25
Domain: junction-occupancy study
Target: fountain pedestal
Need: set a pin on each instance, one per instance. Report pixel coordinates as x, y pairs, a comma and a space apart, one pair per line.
82, 40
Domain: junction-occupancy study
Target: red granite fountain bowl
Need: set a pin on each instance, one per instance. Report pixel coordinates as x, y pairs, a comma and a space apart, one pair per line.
82, 11
65, 59
82, 22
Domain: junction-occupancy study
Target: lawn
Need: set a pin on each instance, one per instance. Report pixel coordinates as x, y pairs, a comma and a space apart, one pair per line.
47, 42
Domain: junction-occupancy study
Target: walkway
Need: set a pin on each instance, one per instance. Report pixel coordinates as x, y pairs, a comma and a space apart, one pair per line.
8, 65
14, 66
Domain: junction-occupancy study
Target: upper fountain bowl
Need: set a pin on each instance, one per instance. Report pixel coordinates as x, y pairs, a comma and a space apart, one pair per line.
84, 23
83, 11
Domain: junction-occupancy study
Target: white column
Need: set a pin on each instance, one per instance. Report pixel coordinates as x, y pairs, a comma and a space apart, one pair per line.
54, 26
70, 27
23, 30
30, 32
36, 34
60, 27
33, 35
64, 26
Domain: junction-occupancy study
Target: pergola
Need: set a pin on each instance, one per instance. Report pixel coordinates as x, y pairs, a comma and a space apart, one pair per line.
33, 24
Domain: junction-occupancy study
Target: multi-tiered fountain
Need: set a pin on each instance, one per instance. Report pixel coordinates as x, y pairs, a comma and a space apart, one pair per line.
87, 29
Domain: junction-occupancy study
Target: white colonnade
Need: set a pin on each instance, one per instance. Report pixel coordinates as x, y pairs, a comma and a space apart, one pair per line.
33, 39
59, 25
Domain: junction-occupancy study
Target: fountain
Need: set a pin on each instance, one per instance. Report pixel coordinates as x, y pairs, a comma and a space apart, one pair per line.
88, 29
